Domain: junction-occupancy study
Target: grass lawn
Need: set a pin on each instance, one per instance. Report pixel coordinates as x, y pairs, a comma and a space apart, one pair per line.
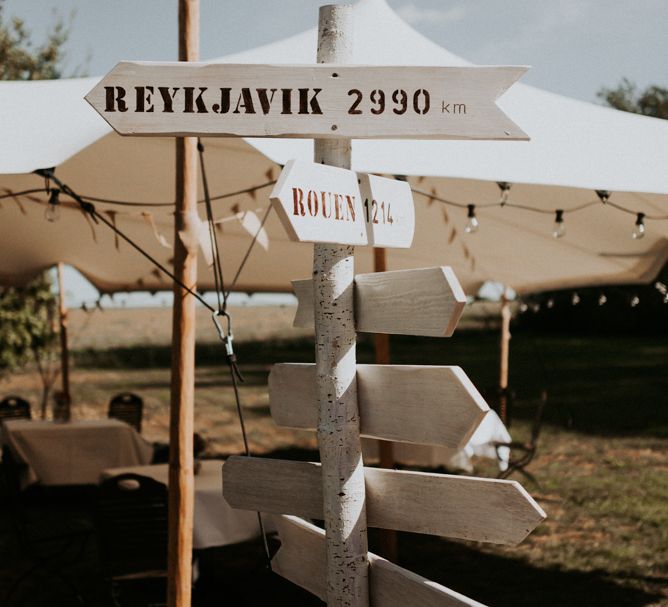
602, 462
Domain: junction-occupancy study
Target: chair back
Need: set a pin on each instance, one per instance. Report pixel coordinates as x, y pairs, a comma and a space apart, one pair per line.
14, 407
127, 407
132, 525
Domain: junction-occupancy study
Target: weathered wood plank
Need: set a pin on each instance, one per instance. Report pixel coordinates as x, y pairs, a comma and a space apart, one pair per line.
321, 203
426, 302
324, 101
301, 559
428, 405
462, 507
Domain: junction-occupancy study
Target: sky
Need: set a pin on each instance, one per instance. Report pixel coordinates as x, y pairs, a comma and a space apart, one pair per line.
574, 47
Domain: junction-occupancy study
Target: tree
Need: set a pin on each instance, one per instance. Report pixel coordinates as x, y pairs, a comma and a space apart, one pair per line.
653, 101
28, 328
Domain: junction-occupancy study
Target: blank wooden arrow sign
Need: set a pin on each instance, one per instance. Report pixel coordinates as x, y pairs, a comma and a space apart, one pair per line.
428, 405
302, 560
462, 507
426, 302
320, 101
320, 203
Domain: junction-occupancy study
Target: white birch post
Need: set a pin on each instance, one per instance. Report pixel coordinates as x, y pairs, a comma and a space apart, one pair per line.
338, 420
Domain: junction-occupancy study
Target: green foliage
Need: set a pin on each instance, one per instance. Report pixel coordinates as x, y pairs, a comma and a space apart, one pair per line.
21, 59
27, 323
653, 101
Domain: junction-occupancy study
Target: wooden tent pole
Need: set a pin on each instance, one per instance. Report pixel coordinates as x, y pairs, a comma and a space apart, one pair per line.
504, 351
64, 347
388, 537
335, 338
181, 426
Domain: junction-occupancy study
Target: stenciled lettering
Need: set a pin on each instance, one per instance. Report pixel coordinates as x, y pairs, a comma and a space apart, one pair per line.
115, 96
168, 98
191, 100
144, 99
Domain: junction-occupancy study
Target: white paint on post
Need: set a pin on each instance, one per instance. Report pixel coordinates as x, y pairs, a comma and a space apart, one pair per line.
338, 420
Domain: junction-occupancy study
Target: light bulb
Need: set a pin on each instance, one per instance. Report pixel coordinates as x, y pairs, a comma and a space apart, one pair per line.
472, 225
52, 212
523, 307
635, 300
575, 300
535, 307
665, 299
639, 229
602, 299
550, 303
559, 229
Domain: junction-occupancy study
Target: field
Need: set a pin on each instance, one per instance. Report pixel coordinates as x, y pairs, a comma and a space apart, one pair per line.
601, 465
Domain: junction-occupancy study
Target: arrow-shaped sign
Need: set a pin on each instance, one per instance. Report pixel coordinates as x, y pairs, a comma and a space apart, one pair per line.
462, 507
302, 560
428, 405
425, 302
320, 203
322, 100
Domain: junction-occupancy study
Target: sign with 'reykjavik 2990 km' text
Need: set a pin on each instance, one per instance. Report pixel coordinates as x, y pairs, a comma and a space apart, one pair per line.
320, 203
322, 100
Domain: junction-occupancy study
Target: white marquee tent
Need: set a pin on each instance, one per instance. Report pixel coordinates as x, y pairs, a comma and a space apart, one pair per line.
575, 149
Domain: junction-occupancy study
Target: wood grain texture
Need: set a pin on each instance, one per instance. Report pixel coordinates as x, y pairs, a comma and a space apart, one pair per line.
342, 480
426, 302
429, 405
431, 102
461, 507
320, 203
301, 559
181, 497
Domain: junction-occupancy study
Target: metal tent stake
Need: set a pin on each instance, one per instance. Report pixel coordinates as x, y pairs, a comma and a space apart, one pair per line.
335, 337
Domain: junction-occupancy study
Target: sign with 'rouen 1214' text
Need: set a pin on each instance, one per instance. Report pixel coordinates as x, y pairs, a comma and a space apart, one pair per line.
322, 100
320, 203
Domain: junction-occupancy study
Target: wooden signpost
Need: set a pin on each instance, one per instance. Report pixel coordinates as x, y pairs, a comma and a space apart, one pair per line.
326, 203
426, 302
302, 560
404, 403
323, 101
320, 203
461, 507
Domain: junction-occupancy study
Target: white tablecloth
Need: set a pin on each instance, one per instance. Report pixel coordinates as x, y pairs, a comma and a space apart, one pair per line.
491, 430
75, 452
215, 523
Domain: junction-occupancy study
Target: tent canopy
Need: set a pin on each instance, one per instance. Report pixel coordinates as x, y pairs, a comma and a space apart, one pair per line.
575, 148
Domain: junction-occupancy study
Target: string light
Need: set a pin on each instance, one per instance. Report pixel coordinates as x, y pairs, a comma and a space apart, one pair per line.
535, 307
575, 299
52, 212
639, 229
559, 229
472, 225
635, 300
602, 299
523, 308
504, 186
550, 303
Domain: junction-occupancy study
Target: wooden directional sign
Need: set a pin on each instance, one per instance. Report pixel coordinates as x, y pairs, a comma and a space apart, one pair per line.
462, 507
322, 100
428, 405
301, 559
425, 302
320, 203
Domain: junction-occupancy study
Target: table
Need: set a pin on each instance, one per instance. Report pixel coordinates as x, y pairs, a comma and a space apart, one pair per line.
74, 452
215, 522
